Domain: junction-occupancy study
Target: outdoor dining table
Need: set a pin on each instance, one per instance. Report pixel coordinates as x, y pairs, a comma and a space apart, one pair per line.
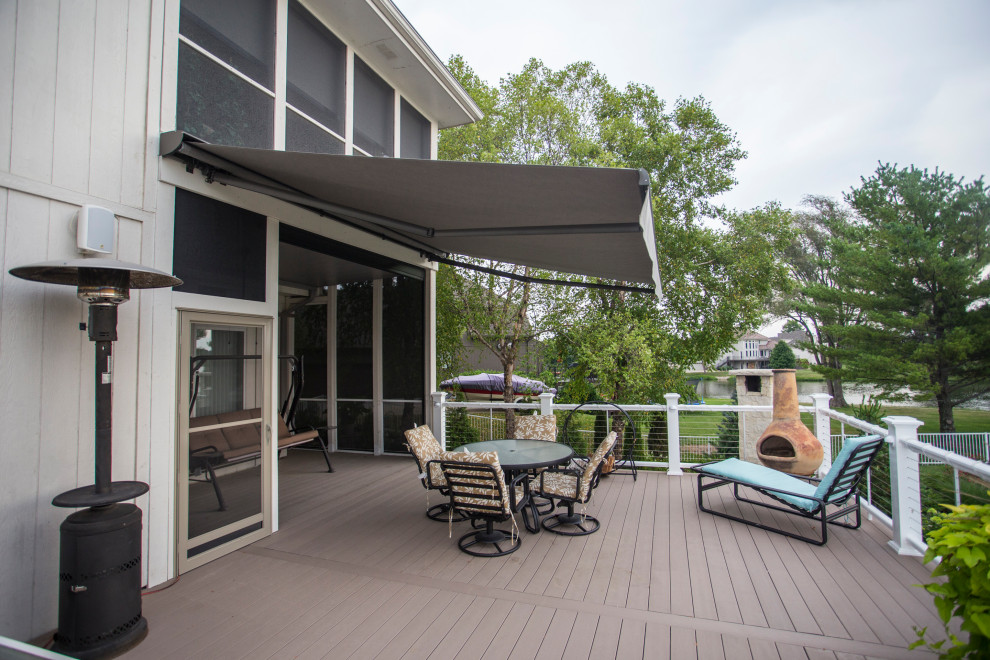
522, 455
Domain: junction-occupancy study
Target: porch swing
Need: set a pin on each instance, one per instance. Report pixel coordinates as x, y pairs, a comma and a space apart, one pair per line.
224, 439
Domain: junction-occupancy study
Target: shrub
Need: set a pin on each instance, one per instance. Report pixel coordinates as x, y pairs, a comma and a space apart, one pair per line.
963, 544
782, 357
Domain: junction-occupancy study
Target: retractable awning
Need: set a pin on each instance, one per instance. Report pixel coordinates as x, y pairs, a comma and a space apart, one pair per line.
581, 220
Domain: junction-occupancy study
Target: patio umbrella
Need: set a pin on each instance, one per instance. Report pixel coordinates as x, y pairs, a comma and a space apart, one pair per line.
488, 386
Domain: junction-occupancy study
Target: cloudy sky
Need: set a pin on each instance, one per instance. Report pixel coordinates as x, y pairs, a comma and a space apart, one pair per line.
818, 91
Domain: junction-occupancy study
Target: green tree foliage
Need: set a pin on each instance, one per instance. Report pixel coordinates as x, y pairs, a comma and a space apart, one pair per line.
718, 275
918, 273
782, 357
815, 303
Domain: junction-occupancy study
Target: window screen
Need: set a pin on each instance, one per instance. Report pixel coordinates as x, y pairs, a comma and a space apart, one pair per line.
303, 135
215, 105
238, 32
374, 111
415, 133
218, 249
317, 62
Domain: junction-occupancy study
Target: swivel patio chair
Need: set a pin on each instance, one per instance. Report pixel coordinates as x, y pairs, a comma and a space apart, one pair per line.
478, 490
537, 427
425, 448
801, 496
574, 486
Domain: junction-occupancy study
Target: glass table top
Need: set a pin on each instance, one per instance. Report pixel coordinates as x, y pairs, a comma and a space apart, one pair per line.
523, 454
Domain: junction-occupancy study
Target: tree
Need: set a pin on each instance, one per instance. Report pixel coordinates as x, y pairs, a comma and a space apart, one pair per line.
717, 275
782, 357
919, 274
815, 302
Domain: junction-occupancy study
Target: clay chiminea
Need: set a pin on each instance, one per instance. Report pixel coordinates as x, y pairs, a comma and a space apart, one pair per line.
787, 444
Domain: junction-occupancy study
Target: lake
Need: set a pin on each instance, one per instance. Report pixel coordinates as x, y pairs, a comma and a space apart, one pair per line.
855, 394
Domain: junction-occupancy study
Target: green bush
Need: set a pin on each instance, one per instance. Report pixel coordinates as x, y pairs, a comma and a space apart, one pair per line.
782, 357
963, 544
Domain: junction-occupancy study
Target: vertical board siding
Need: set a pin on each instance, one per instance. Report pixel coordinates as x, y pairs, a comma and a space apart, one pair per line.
108, 100
32, 127
62, 439
136, 150
8, 42
74, 95
26, 234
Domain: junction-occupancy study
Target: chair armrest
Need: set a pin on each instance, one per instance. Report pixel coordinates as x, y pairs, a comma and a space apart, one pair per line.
207, 448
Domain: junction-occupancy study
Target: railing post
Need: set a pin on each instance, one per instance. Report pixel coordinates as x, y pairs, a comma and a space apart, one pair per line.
546, 403
823, 430
439, 418
673, 436
905, 486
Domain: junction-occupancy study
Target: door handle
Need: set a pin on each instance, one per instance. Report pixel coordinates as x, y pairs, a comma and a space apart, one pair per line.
268, 434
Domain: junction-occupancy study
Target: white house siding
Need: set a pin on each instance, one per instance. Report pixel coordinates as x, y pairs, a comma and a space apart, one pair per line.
74, 119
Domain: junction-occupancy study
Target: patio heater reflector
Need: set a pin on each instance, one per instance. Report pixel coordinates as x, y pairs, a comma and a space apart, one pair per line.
99, 610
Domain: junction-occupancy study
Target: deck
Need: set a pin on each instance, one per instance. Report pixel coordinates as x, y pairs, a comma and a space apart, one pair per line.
358, 571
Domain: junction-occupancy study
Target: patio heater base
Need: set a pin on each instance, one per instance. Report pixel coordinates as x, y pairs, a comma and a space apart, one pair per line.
99, 605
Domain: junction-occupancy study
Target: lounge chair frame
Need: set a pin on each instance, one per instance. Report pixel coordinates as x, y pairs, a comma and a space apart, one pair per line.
844, 488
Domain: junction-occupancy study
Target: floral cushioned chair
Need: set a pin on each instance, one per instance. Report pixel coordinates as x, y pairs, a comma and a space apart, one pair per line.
425, 448
477, 488
574, 486
537, 427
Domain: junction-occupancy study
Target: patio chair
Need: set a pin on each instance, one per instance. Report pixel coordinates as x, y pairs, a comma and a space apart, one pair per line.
573, 486
537, 427
478, 490
425, 448
801, 496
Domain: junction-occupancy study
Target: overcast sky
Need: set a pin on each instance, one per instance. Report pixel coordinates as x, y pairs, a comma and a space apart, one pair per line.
817, 91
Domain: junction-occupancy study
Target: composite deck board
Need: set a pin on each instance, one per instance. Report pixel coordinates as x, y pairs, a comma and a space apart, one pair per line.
357, 570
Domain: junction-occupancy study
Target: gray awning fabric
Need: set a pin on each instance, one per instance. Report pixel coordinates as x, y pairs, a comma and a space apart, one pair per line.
586, 221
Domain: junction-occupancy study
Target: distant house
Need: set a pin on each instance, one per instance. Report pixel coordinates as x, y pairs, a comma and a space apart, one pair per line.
752, 350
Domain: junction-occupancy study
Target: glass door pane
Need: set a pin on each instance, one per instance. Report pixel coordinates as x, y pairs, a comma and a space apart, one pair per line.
224, 455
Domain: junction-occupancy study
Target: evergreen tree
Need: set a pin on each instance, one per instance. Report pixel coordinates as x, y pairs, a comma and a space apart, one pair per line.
782, 357
919, 274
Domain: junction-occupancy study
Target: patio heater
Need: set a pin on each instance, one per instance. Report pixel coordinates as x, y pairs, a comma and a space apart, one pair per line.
99, 600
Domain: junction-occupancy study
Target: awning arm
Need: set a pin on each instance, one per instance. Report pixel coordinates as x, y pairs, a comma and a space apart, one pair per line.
540, 280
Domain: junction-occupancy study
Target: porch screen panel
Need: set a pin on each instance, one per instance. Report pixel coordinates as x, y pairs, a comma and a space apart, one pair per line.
218, 249
213, 102
403, 357
240, 33
305, 136
355, 329
374, 111
216, 105
316, 70
415, 133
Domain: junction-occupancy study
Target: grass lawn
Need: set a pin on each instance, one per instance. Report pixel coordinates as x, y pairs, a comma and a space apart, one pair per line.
967, 421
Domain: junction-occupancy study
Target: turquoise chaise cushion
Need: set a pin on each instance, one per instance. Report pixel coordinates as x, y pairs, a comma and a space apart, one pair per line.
764, 477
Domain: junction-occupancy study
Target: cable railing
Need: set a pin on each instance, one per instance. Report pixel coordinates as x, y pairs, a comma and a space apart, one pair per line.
913, 474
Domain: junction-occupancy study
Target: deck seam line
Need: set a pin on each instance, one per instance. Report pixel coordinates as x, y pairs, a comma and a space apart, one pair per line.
710, 625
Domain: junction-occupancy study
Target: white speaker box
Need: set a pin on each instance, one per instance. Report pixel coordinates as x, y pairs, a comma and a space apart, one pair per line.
95, 229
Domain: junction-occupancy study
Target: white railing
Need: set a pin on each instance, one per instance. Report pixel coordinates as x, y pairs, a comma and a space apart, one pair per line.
893, 488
